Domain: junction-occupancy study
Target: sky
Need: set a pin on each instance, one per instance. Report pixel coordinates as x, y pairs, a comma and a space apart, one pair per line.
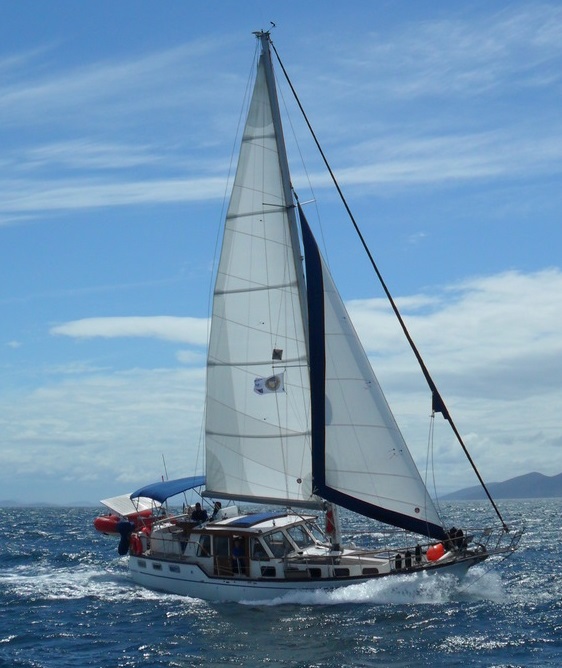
119, 125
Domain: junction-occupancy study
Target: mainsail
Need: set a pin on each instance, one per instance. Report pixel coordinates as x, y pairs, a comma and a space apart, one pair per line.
258, 446
328, 433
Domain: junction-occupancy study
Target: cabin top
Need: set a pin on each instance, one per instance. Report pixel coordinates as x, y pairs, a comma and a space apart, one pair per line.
251, 524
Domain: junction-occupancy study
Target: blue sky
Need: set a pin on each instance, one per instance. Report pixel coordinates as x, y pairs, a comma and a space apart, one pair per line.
118, 123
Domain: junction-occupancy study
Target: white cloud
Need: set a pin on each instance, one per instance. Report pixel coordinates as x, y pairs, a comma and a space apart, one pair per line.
86, 153
113, 428
56, 195
505, 314
167, 328
191, 357
493, 347
492, 344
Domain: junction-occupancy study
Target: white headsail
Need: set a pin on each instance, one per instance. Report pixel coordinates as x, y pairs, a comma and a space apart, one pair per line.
361, 460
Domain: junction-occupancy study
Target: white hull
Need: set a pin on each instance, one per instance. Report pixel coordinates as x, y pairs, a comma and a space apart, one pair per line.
190, 580
262, 557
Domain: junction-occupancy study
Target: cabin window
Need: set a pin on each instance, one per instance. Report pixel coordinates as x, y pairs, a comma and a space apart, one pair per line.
318, 536
174, 569
300, 536
341, 572
157, 567
257, 550
204, 546
268, 571
278, 544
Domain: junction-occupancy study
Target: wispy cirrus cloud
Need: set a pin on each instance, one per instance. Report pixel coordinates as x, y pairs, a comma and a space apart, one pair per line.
510, 51
397, 161
102, 90
60, 195
447, 100
86, 153
438, 160
93, 157
467, 55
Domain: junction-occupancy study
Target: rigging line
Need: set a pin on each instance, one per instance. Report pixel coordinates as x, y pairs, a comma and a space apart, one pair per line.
303, 164
437, 400
430, 464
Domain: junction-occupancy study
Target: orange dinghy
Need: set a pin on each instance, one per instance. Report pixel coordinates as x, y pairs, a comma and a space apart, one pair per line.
141, 513
108, 523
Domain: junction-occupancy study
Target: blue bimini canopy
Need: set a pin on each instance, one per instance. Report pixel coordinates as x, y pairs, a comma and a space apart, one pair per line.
160, 491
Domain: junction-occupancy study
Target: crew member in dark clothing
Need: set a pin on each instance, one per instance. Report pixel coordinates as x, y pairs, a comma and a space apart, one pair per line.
199, 515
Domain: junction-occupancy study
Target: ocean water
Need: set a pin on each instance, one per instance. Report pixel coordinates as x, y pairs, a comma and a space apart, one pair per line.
66, 601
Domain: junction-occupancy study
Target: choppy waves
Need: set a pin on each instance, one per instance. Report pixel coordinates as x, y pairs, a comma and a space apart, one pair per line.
67, 601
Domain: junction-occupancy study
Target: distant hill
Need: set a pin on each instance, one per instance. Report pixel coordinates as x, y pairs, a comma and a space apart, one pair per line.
529, 486
11, 503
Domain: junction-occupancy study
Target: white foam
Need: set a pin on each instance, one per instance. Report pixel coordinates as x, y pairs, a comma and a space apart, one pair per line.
67, 583
482, 583
401, 589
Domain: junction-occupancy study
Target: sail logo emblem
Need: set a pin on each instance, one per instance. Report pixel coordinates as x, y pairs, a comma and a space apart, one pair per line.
268, 385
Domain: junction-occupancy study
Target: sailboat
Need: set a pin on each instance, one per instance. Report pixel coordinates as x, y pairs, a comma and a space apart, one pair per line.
296, 421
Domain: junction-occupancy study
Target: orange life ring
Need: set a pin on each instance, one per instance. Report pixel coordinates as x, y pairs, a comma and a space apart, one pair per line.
135, 544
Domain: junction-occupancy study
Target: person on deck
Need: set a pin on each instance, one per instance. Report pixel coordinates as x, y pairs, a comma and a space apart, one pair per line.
199, 515
238, 562
216, 510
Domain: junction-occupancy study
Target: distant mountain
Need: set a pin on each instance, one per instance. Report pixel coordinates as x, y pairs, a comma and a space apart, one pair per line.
529, 486
11, 503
